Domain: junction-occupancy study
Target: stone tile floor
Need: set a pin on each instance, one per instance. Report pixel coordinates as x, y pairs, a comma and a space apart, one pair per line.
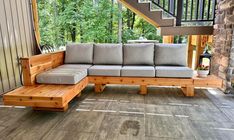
120, 113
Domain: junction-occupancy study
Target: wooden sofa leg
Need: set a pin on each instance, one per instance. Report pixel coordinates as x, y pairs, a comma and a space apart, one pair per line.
188, 91
78, 95
63, 109
99, 88
143, 89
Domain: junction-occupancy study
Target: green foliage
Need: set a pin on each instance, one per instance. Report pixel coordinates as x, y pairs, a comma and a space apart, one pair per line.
63, 21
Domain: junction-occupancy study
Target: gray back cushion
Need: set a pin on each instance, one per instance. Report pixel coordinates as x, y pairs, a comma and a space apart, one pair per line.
139, 54
79, 54
170, 54
108, 54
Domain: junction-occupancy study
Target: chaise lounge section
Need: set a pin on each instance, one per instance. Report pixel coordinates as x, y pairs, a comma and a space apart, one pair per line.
51, 81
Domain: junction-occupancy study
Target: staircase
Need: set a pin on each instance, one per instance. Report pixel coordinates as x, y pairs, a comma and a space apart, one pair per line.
176, 17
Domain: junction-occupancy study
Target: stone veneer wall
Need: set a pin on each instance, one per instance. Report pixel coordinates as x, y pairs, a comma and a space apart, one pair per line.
223, 47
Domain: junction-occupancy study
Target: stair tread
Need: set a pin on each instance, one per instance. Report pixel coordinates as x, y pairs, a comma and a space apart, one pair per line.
153, 17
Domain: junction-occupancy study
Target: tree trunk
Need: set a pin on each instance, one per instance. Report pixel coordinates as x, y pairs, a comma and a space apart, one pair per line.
62, 30
128, 18
73, 28
120, 23
73, 33
81, 34
55, 20
111, 21
133, 20
142, 29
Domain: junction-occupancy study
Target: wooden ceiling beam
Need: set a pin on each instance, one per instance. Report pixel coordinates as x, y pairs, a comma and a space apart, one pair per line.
186, 30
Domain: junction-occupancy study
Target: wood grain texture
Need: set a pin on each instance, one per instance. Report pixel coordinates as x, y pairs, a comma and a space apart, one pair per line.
190, 52
188, 84
143, 89
188, 91
140, 81
36, 23
34, 65
210, 81
50, 97
99, 88
51, 109
45, 96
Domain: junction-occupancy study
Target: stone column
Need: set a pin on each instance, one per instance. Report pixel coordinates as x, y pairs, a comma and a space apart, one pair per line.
223, 45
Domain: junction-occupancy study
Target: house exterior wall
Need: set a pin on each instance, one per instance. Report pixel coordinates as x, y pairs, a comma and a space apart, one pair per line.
16, 40
223, 50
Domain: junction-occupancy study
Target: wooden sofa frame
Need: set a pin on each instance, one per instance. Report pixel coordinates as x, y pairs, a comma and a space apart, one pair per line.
57, 97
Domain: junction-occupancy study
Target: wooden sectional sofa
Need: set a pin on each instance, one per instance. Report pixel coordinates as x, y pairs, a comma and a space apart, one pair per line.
40, 92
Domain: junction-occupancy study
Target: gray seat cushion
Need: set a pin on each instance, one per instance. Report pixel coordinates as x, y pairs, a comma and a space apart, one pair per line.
79, 54
170, 55
138, 71
105, 54
105, 70
139, 54
173, 71
61, 76
75, 66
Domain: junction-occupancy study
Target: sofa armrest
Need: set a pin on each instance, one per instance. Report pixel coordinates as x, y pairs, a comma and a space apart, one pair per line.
31, 66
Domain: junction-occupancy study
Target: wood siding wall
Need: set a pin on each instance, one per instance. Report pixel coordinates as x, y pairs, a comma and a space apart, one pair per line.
16, 40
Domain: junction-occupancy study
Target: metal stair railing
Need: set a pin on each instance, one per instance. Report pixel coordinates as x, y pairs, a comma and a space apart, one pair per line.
188, 10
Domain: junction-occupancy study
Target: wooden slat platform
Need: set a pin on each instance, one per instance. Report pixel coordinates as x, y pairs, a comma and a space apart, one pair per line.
57, 97
187, 85
210, 81
50, 97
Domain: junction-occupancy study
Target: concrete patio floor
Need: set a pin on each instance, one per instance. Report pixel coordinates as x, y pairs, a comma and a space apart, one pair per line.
119, 113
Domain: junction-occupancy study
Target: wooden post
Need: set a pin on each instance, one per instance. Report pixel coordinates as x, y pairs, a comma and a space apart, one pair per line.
120, 22
210, 38
200, 43
198, 49
190, 52
99, 88
143, 89
25, 64
168, 39
78, 95
36, 24
188, 90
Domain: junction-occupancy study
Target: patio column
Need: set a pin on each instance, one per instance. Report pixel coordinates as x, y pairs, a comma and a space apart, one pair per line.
190, 51
223, 46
